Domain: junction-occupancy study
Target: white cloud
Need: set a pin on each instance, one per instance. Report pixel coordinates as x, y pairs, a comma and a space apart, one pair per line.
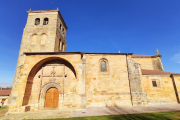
176, 57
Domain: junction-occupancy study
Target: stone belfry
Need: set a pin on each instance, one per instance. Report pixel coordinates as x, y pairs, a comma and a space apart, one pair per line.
45, 31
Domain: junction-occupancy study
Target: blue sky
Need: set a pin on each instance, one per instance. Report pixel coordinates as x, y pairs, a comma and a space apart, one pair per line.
131, 26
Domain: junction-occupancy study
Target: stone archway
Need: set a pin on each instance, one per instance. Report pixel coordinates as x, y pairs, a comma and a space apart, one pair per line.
33, 93
44, 92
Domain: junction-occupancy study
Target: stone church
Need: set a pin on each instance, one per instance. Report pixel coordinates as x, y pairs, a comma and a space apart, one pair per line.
48, 76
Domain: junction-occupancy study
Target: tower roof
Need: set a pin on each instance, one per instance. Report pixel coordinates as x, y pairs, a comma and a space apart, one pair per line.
45, 11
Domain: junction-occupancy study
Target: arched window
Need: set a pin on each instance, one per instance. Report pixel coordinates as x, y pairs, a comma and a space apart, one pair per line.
62, 48
43, 39
33, 39
37, 21
45, 22
103, 66
59, 45
60, 26
63, 32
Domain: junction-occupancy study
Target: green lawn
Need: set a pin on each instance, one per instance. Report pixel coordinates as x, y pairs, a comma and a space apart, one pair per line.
3, 108
144, 116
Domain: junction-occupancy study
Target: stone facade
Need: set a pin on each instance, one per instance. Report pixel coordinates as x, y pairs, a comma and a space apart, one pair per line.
163, 93
138, 96
83, 79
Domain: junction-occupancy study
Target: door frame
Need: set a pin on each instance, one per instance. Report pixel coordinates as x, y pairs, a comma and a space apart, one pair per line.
53, 98
43, 93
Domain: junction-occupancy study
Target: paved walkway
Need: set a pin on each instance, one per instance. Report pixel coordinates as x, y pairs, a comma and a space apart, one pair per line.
40, 114
93, 111
117, 110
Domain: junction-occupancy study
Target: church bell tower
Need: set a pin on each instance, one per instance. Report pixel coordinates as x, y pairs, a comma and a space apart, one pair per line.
45, 31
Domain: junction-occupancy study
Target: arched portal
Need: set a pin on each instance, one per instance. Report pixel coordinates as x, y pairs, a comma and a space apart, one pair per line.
52, 98
48, 73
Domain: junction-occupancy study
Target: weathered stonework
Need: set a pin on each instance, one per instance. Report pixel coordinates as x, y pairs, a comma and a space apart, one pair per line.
137, 94
150, 63
165, 93
80, 79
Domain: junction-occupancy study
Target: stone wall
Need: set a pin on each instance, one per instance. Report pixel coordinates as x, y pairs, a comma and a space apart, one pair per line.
176, 84
36, 38
150, 63
73, 86
137, 95
108, 88
163, 93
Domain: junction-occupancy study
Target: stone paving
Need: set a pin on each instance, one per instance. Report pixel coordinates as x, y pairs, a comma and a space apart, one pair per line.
92, 111
117, 110
40, 114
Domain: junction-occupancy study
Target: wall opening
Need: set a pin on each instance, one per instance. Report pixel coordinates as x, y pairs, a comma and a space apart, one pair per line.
46, 21
37, 21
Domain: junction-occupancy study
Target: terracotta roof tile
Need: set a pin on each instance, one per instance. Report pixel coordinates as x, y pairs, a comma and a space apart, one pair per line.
155, 72
145, 56
5, 92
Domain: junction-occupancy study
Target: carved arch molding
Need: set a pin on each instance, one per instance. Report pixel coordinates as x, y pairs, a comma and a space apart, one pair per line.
49, 73
52, 76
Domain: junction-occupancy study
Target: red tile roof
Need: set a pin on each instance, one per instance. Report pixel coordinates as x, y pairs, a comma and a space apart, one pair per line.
145, 56
155, 72
5, 92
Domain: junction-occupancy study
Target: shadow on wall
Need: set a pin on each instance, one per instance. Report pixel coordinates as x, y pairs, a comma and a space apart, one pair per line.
36, 68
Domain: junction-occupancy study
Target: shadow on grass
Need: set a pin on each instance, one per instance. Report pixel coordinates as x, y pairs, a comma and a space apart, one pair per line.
144, 116
132, 114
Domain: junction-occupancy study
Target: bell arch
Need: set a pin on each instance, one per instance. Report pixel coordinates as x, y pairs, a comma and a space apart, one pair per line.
36, 68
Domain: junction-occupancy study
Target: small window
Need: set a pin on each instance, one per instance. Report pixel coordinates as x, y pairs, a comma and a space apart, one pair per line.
103, 66
154, 83
43, 39
33, 39
60, 26
62, 48
63, 32
37, 21
45, 22
60, 45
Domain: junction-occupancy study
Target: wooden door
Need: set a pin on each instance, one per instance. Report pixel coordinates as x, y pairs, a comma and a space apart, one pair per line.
52, 98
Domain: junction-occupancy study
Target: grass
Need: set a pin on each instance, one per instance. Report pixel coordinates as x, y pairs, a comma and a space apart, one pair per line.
3, 108
143, 116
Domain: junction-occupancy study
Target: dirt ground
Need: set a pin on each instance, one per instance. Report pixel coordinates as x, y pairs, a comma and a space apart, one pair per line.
3, 111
